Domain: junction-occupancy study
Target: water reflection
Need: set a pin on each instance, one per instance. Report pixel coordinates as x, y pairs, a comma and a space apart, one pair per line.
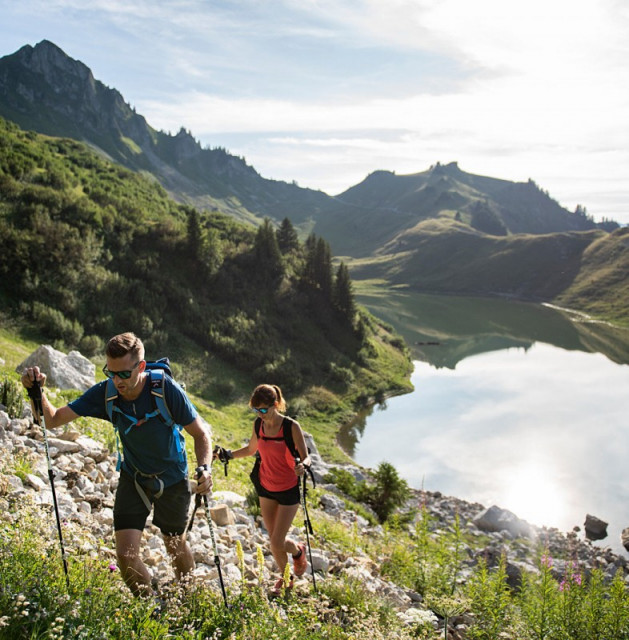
525, 414
443, 330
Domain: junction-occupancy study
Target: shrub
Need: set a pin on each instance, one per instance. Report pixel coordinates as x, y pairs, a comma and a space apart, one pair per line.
11, 396
55, 325
388, 492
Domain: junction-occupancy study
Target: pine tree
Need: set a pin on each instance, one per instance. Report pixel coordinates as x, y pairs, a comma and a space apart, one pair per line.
194, 233
343, 295
287, 237
267, 251
323, 267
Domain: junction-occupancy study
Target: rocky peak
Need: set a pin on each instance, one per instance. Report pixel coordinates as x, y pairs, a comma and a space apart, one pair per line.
49, 60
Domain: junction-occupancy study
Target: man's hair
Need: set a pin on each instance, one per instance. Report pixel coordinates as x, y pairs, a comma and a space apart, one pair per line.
119, 346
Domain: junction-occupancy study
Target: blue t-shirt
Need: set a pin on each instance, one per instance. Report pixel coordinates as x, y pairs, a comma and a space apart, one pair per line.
150, 447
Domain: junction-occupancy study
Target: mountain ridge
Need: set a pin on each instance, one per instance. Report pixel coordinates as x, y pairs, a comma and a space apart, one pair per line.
386, 217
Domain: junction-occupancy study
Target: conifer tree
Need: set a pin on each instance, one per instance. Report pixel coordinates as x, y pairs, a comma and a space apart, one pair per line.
343, 295
287, 236
267, 251
194, 233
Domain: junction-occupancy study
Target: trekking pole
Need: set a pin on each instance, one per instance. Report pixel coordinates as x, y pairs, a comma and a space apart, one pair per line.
307, 523
223, 455
35, 395
217, 560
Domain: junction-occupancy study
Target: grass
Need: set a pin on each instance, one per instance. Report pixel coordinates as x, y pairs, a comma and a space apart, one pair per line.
430, 557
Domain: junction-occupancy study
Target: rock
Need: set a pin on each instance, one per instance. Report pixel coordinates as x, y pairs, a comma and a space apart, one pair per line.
624, 538
63, 446
496, 519
222, 515
595, 528
35, 481
332, 504
320, 561
92, 449
230, 498
72, 371
69, 434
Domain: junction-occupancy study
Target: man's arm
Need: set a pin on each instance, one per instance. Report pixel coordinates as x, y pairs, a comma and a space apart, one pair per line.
53, 417
203, 452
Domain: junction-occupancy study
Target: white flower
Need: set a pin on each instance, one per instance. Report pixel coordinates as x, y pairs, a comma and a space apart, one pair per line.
421, 617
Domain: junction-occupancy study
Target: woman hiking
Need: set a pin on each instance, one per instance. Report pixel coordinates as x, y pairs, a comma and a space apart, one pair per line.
277, 440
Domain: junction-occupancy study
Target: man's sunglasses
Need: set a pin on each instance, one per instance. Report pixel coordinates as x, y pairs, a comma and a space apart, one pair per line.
123, 375
262, 411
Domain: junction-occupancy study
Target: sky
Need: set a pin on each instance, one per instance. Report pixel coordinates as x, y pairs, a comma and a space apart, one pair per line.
324, 92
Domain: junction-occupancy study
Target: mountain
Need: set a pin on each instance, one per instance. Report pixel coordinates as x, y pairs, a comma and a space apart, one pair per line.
386, 206
43, 89
440, 230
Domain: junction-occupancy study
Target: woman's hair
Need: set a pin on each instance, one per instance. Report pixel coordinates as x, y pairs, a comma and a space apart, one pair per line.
119, 346
267, 394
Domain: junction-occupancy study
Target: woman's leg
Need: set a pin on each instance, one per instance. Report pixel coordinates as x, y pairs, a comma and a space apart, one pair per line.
280, 545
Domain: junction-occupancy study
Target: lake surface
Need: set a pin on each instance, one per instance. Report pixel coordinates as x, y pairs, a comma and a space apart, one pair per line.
518, 405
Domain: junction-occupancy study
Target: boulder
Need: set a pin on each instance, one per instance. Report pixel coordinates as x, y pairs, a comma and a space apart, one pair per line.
496, 519
72, 371
222, 515
595, 528
230, 498
624, 538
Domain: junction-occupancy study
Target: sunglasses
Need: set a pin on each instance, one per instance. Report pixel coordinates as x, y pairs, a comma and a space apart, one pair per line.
262, 411
123, 375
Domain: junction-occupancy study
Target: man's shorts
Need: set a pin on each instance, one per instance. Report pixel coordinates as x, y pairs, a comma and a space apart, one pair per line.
170, 510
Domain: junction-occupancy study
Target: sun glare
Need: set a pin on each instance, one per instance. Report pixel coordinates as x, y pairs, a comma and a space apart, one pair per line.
533, 494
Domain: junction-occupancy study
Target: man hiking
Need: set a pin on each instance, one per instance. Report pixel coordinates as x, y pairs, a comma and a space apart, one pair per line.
154, 470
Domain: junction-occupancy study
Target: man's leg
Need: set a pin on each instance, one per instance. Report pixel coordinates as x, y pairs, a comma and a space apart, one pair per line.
180, 554
133, 570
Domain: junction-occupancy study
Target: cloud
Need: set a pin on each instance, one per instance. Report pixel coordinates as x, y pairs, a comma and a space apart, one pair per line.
512, 90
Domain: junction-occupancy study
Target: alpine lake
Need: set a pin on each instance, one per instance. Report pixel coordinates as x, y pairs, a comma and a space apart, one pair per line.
518, 405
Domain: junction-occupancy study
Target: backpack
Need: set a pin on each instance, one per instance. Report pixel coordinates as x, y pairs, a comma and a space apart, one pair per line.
157, 371
287, 431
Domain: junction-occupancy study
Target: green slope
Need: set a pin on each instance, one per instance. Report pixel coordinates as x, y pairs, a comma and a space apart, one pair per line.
89, 249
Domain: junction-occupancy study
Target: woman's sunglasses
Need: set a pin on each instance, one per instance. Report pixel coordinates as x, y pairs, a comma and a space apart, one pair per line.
262, 411
123, 375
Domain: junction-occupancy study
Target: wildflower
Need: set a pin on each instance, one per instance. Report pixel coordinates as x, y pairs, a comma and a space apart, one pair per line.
546, 561
112, 567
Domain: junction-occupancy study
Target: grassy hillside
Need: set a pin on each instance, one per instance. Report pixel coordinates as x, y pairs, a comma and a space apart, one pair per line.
601, 286
585, 270
89, 249
465, 583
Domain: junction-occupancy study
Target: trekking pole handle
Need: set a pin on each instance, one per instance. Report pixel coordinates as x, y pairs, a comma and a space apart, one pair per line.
224, 455
35, 394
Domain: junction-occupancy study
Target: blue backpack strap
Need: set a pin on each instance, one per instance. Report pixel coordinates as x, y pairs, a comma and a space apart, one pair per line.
159, 398
111, 395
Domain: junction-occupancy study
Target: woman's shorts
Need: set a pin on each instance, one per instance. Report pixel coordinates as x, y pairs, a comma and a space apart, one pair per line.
286, 498
170, 510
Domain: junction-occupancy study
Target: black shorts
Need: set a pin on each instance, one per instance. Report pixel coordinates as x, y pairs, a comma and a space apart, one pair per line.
286, 498
170, 510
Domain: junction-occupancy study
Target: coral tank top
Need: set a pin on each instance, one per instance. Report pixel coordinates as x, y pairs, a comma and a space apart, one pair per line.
277, 466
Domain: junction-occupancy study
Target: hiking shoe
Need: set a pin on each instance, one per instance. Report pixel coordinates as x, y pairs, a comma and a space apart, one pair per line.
279, 585
300, 563
160, 606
